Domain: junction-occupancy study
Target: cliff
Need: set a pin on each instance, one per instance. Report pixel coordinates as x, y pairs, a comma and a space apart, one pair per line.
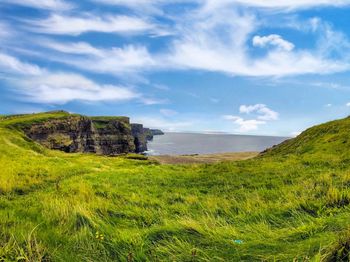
141, 136
100, 135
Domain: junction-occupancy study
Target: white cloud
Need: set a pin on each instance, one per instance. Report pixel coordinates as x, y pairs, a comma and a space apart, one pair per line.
328, 105
348, 104
283, 5
168, 112
244, 125
264, 112
10, 64
5, 31
202, 41
212, 44
286, 5
41, 4
327, 85
60, 88
112, 61
78, 48
42, 86
145, 5
203, 50
315, 23
263, 115
138, 5
274, 40
164, 124
76, 25
129, 2
153, 101
293, 3
202, 45
161, 87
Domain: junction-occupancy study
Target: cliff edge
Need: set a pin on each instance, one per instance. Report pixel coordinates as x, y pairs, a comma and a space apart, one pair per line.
73, 133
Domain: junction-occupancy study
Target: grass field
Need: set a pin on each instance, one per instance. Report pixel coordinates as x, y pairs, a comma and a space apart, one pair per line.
292, 203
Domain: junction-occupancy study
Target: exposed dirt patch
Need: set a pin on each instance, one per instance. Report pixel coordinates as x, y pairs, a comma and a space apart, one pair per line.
201, 159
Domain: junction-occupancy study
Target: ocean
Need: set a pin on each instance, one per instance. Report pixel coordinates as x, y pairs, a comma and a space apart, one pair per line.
194, 143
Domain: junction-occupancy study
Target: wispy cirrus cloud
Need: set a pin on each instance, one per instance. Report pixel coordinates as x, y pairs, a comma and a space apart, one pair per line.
201, 40
5, 31
61, 88
168, 112
212, 44
148, 5
75, 48
138, 5
287, 5
58, 24
283, 5
39, 85
12, 65
115, 61
57, 5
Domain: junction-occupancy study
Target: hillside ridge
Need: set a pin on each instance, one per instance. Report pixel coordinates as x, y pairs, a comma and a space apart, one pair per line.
328, 138
73, 133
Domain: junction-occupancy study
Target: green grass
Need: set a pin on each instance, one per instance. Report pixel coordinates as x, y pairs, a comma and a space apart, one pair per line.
291, 203
101, 122
22, 121
109, 118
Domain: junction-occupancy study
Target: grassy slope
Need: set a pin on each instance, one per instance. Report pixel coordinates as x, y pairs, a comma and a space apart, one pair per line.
290, 203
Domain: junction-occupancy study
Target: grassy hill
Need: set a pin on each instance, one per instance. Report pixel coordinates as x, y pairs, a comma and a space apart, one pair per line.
328, 139
291, 203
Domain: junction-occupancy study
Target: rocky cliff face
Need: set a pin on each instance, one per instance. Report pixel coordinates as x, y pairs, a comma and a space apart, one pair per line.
100, 135
72, 134
141, 136
113, 135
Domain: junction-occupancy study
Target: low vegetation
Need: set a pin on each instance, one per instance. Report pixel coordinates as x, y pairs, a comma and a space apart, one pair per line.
291, 203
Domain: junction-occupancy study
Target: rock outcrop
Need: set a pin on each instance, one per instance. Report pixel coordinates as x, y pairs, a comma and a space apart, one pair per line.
100, 135
157, 132
141, 136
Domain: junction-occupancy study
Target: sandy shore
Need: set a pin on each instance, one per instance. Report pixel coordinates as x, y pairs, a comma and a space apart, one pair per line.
200, 159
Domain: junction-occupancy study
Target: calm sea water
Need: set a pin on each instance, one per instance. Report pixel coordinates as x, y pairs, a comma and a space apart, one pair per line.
192, 143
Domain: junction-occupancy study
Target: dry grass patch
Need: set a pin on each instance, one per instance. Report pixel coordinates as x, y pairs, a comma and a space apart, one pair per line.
203, 159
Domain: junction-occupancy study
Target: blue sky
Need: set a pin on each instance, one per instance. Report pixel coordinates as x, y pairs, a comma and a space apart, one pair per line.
238, 66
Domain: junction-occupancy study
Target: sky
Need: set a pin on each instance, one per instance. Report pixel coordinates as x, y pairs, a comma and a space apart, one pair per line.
236, 66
